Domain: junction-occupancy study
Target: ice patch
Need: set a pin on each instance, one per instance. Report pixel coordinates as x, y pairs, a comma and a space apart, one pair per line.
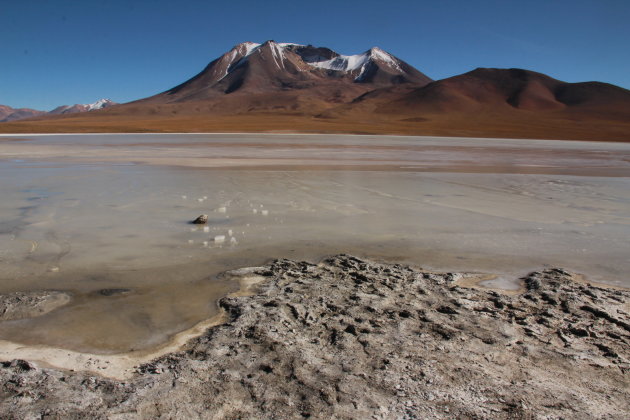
249, 47
100, 104
386, 57
349, 63
342, 62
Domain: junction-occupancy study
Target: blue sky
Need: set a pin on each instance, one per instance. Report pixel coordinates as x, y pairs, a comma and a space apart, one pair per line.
66, 52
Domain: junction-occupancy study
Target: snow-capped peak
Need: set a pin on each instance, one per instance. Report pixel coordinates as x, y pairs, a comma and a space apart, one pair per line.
100, 104
249, 47
376, 52
293, 57
349, 63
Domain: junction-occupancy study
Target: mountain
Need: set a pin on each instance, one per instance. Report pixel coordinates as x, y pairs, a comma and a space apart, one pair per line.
498, 91
302, 88
70, 109
513, 89
251, 68
10, 114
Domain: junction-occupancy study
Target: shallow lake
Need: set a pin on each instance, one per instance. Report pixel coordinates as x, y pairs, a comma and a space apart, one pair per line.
89, 213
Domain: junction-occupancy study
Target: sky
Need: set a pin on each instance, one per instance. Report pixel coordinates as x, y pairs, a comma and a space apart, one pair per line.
62, 52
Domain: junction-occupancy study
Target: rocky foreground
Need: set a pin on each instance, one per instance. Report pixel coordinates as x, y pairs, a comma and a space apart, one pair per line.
350, 338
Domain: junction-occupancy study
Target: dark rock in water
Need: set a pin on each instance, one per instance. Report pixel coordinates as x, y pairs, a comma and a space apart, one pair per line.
113, 292
201, 220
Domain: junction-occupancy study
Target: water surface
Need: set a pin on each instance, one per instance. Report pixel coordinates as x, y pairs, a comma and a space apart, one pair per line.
92, 213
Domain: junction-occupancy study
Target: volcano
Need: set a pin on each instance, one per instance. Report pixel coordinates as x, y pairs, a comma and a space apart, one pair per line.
302, 88
251, 68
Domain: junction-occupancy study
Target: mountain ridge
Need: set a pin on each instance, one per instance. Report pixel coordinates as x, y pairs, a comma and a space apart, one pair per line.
302, 88
254, 68
8, 113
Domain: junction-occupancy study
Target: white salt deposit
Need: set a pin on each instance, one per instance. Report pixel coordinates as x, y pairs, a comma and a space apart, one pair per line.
230, 232
219, 239
206, 229
221, 210
265, 212
486, 222
255, 211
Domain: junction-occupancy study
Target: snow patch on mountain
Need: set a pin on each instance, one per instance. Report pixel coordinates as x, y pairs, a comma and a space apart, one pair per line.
350, 63
249, 47
376, 52
342, 62
100, 104
278, 54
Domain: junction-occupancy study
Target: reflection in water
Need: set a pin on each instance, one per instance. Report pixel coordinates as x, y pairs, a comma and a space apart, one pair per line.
91, 228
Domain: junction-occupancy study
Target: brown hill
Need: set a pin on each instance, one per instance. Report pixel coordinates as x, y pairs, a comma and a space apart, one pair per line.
509, 89
11, 114
290, 87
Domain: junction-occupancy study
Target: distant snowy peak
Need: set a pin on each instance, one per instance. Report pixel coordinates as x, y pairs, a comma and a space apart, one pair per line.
73, 109
100, 104
10, 114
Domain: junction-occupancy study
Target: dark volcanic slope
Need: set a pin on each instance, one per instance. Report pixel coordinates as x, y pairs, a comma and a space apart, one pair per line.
510, 89
355, 339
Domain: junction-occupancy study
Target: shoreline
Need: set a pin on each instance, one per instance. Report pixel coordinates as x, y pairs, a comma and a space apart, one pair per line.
356, 338
297, 133
122, 366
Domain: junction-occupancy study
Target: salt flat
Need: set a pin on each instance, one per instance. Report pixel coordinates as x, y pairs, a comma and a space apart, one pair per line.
88, 214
